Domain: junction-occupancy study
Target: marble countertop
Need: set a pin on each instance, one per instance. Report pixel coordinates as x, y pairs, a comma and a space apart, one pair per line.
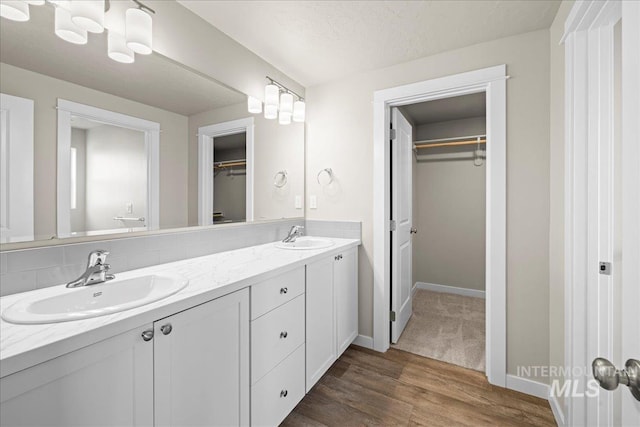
210, 277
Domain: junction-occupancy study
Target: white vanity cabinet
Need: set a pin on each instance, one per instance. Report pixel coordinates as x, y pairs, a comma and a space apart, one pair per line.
331, 311
277, 347
201, 364
107, 383
194, 373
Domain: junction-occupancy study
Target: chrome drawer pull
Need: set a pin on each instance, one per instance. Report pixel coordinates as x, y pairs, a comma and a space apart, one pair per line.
283, 334
284, 290
284, 393
147, 335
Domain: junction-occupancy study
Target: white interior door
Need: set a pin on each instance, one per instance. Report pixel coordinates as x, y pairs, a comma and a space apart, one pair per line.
16, 169
401, 214
613, 215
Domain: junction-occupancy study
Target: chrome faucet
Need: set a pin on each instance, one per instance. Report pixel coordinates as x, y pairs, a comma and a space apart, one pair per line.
96, 271
294, 233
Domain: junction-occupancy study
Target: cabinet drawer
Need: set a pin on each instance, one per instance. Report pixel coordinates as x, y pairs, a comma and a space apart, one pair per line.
275, 395
267, 295
275, 335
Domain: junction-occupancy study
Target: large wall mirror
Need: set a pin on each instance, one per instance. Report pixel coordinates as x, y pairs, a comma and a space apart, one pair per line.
120, 148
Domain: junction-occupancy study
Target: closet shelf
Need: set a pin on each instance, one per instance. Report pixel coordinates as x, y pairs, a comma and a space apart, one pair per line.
229, 164
451, 142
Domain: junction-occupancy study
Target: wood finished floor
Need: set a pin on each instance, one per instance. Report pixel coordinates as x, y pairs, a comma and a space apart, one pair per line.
367, 388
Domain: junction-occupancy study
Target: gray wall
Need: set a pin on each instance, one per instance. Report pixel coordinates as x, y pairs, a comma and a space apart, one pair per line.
276, 147
340, 134
556, 190
45, 91
449, 194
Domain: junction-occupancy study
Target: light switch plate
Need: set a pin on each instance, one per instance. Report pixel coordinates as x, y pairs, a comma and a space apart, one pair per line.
298, 202
313, 202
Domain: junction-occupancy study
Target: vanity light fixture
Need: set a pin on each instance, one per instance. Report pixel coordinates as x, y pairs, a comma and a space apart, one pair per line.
73, 19
15, 10
88, 14
66, 29
139, 29
254, 105
279, 103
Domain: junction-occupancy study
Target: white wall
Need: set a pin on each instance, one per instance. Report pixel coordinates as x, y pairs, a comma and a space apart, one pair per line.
116, 174
45, 91
449, 213
276, 147
339, 135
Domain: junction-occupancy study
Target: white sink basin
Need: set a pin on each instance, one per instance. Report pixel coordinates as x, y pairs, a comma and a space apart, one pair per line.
95, 300
306, 242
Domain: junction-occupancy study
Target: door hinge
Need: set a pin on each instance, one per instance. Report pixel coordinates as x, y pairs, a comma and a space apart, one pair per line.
392, 316
392, 225
392, 134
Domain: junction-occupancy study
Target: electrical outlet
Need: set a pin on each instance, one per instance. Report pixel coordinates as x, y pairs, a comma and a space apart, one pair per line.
313, 202
298, 202
129, 207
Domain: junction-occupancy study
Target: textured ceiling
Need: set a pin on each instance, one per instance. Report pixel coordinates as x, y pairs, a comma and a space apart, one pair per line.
318, 41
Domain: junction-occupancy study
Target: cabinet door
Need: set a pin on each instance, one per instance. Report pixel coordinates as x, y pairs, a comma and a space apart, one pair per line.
107, 383
201, 366
321, 338
345, 285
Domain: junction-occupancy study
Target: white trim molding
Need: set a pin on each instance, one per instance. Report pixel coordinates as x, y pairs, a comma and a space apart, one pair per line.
475, 293
151, 131
556, 408
363, 341
206, 134
492, 81
527, 386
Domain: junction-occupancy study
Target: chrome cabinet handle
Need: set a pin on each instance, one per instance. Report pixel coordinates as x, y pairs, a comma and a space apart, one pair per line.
284, 290
413, 230
283, 334
147, 335
338, 257
284, 393
166, 329
609, 377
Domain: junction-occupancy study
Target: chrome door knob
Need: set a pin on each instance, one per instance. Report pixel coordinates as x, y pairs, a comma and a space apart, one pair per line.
166, 329
284, 334
284, 290
413, 230
609, 377
284, 393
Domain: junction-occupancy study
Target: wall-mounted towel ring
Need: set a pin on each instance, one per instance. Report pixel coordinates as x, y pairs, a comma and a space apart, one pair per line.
329, 172
280, 179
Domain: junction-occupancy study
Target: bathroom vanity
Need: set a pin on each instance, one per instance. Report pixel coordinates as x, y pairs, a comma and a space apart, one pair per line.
241, 344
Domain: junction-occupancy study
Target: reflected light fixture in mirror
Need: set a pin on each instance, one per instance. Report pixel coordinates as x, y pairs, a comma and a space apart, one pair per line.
284, 118
139, 30
118, 50
66, 29
15, 10
270, 111
88, 14
271, 94
298, 111
286, 103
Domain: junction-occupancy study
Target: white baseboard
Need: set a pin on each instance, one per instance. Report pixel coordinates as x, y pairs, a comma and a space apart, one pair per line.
527, 386
558, 413
364, 341
450, 290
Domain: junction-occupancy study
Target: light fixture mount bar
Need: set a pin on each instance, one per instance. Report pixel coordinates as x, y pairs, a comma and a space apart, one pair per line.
281, 86
144, 6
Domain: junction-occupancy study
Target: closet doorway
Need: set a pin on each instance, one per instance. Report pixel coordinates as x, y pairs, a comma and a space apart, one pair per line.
438, 187
492, 83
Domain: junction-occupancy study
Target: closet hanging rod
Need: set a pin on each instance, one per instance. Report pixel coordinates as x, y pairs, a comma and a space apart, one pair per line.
451, 144
230, 163
457, 138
